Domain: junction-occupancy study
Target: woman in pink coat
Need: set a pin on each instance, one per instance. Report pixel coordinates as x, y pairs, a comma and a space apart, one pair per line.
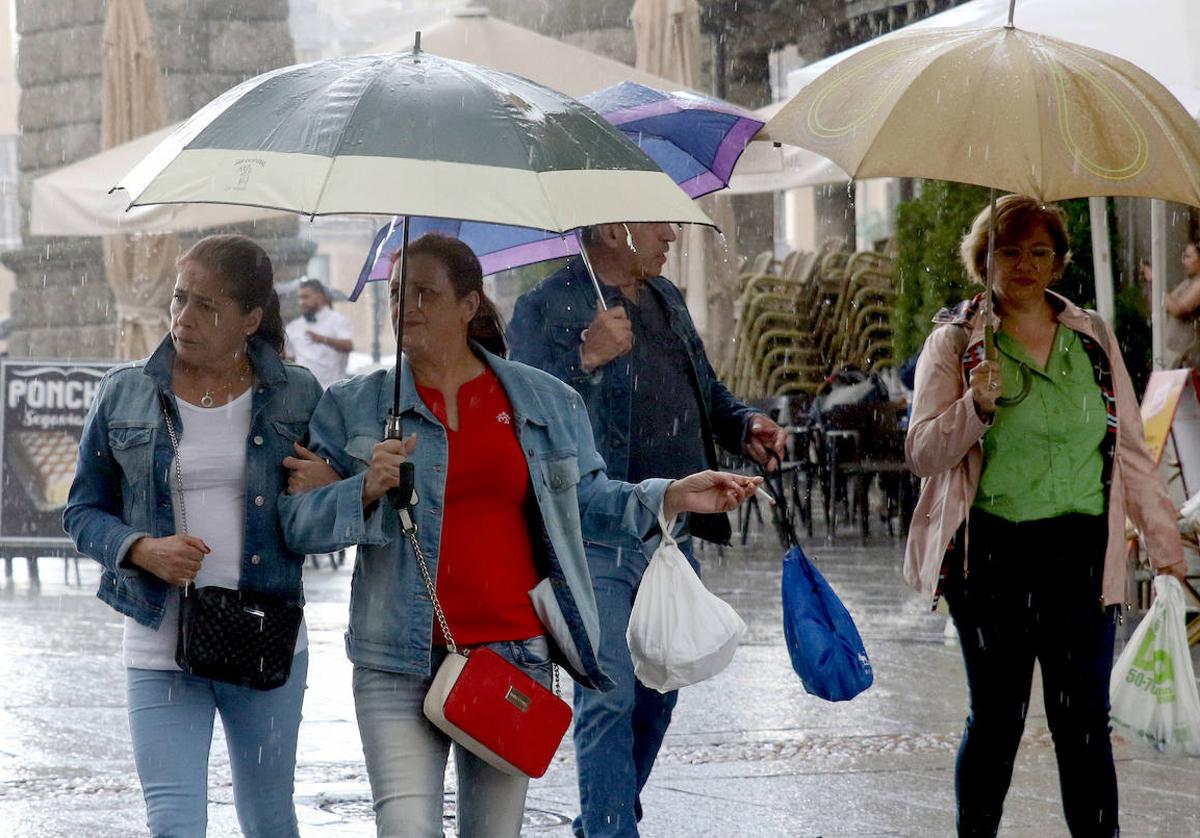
1021, 520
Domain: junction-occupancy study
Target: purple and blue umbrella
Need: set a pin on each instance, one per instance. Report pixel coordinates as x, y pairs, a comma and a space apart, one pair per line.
695, 139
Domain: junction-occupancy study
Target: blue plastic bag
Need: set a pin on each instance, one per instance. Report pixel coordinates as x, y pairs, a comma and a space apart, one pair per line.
826, 649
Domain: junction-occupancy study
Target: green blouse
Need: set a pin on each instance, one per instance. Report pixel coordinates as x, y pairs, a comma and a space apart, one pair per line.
1042, 458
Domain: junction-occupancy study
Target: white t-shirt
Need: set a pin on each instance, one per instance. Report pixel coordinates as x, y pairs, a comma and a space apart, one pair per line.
212, 453
325, 362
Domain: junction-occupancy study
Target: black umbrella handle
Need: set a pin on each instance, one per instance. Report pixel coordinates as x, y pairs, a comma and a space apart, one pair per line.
403, 497
773, 485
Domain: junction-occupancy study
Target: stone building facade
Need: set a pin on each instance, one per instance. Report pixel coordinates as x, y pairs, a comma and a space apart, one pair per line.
62, 306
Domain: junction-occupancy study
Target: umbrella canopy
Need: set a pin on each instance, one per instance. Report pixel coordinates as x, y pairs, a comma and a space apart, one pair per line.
1159, 37
410, 133
75, 200
471, 34
696, 139
498, 246
998, 107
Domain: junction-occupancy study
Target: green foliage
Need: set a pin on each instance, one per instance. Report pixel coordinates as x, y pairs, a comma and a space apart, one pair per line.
929, 275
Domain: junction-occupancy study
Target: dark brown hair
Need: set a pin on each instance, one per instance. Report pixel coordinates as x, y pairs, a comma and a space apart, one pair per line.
466, 275
247, 271
1016, 215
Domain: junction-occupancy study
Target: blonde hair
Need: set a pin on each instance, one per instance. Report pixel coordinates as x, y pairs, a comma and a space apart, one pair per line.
1016, 215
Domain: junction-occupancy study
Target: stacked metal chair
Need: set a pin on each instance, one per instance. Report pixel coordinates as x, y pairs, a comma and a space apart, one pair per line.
813, 313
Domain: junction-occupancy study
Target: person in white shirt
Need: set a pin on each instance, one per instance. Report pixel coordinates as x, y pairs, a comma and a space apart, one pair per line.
320, 339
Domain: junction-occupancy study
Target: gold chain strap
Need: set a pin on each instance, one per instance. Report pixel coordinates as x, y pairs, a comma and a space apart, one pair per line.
411, 532
423, 566
178, 469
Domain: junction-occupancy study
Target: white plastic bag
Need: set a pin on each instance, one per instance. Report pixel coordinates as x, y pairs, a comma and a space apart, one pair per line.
679, 633
1153, 686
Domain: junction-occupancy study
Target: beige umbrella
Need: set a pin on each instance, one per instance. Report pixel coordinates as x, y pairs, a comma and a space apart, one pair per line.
999, 107
472, 35
140, 270
667, 33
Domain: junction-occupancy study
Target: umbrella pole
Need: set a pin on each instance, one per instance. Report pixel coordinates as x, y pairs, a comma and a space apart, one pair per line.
587, 263
989, 334
404, 496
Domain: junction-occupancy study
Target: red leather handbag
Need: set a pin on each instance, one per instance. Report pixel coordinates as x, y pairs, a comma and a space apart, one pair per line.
497, 712
490, 707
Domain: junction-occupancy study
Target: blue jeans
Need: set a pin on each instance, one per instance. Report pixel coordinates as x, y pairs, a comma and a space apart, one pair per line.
617, 733
406, 755
1032, 592
171, 721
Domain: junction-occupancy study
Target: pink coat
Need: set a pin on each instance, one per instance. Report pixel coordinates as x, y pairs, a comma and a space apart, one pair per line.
943, 446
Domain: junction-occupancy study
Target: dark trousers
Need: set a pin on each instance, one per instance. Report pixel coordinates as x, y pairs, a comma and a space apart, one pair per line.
1032, 591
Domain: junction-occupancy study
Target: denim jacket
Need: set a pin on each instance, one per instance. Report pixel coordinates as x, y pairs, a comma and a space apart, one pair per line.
391, 615
123, 481
545, 332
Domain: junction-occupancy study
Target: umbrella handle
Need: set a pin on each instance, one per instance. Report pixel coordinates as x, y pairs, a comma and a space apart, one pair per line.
1022, 391
587, 263
404, 496
775, 490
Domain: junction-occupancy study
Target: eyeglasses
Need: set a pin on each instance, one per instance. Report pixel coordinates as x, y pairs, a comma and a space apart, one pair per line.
1038, 254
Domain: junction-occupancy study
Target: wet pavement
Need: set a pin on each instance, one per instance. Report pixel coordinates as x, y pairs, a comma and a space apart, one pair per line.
749, 754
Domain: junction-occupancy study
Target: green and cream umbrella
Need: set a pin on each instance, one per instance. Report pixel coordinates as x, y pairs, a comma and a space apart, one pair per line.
409, 134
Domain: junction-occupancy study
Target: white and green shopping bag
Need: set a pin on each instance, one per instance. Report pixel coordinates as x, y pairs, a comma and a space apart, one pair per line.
1153, 686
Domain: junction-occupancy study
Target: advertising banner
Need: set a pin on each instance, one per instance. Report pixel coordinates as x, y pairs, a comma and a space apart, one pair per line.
45, 403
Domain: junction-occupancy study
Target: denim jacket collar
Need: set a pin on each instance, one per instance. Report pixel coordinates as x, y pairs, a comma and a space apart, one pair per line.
263, 359
516, 386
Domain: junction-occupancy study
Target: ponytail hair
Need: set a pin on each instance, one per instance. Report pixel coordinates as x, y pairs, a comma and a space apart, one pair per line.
466, 275
247, 269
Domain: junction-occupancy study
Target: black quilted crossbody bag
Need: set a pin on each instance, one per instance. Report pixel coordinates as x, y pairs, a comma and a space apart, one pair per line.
240, 637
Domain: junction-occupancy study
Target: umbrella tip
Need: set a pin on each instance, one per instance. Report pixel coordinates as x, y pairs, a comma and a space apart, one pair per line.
417, 42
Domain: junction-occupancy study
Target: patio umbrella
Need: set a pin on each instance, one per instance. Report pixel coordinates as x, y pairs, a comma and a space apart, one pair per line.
408, 134
132, 102
75, 200
999, 107
695, 139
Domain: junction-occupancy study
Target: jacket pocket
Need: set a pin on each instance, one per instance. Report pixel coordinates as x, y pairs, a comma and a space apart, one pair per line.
291, 431
132, 450
560, 508
560, 473
564, 333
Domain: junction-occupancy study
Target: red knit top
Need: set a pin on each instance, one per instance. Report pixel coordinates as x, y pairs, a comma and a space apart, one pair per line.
485, 562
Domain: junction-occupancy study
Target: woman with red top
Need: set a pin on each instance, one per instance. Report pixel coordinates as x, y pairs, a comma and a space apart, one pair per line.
509, 484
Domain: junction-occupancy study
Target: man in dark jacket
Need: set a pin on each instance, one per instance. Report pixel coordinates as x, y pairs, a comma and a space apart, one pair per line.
658, 410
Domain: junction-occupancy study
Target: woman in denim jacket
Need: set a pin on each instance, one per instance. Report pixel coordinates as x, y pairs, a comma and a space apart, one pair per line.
237, 410
508, 483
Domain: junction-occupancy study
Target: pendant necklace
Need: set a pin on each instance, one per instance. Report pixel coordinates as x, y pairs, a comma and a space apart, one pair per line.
208, 399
